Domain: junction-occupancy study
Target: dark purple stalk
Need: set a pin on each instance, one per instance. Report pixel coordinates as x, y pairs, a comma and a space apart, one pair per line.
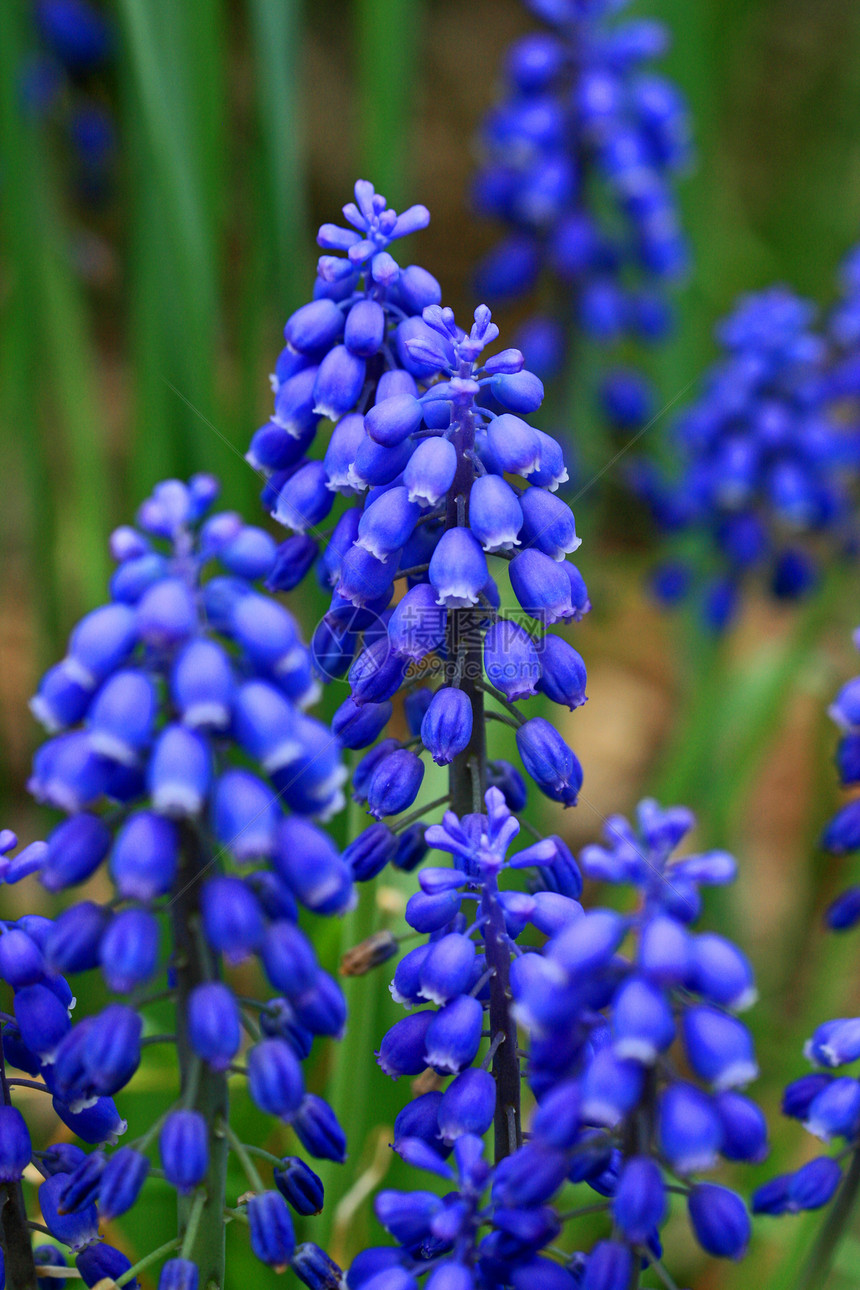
467, 786
17, 1245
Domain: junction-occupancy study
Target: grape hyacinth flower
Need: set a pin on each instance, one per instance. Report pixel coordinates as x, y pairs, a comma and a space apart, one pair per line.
579, 162
445, 484
768, 470
603, 999
185, 766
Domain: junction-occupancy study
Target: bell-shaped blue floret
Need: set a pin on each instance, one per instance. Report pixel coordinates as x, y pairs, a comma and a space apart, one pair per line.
232, 919
275, 1078
541, 586
272, 1235
128, 950
121, 718
447, 725
179, 772
689, 1128
495, 513
549, 761
458, 569
511, 659
562, 672
145, 856
184, 1149
245, 815
719, 1220
387, 522
309, 863
430, 471
214, 1025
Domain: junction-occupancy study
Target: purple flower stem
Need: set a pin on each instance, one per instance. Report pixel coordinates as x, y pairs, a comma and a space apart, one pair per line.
17, 1245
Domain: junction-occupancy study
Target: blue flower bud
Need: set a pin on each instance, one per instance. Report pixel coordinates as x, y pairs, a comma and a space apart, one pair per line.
99, 1123
843, 832
322, 1009
121, 1181
430, 471
100, 1263
75, 850
250, 554
454, 1035
390, 421
720, 972
166, 614
365, 328
298, 1183
265, 725
548, 524
814, 1184
272, 1236
317, 1128
61, 700
418, 1120
112, 1052
520, 392
202, 685
42, 1020
314, 327
690, 1130
562, 672
128, 950
447, 725
184, 1149
467, 1105
371, 851
719, 1048
431, 913
458, 569
720, 1220
375, 464
642, 1021
214, 1025
21, 960
294, 402
835, 1043
835, 1110
402, 1049
357, 727
179, 1274
273, 448
610, 1088
542, 586
121, 717
549, 761
495, 514
314, 1267
289, 959
308, 861
377, 673
448, 969
383, 1261
245, 815
232, 919
275, 1078
609, 1267
514, 445
395, 783
15, 1146
772, 1196
387, 523
639, 1204
75, 1230
305, 499
511, 659
338, 382
101, 641
179, 772
73, 942
744, 1128
665, 950
145, 856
